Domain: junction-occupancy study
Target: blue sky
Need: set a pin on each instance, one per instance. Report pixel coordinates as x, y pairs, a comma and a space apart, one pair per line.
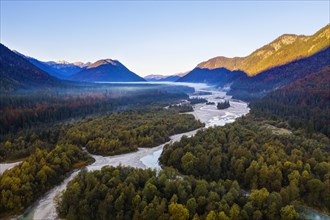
159, 37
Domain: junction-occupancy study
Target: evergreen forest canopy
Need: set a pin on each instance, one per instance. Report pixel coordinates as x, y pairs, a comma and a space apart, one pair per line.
41, 171
37, 120
124, 132
304, 103
127, 193
264, 166
258, 154
223, 105
53, 148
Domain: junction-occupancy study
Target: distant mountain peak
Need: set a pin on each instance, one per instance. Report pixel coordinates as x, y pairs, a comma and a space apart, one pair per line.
105, 62
62, 62
106, 70
221, 61
155, 76
165, 78
81, 64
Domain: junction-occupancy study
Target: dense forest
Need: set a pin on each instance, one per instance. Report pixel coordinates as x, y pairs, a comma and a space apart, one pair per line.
57, 151
304, 103
181, 108
223, 105
258, 154
25, 183
107, 135
128, 193
197, 100
26, 141
263, 166
39, 120
26, 111
124, 132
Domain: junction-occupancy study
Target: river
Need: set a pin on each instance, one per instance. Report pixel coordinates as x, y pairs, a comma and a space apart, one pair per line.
7, 166
45, 208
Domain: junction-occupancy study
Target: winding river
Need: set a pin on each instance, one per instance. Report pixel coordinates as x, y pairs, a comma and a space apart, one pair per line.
45, 208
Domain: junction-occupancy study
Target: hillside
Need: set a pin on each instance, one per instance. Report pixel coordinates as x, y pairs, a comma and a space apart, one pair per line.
18, 73
66, 69
248, 88
219, 76
107, 71
305, 103
285, 49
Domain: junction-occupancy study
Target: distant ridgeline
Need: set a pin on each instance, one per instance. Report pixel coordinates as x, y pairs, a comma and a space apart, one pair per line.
285, 60
20, 72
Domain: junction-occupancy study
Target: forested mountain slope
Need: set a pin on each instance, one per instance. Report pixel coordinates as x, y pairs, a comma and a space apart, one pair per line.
305, 103
249, 88
219, 76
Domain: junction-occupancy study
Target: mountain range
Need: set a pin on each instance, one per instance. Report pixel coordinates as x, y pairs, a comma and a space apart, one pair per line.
20, 72
249, 88
219, 76
106, 70
60, 69
16, 73
284, 49
165, 78
286, 59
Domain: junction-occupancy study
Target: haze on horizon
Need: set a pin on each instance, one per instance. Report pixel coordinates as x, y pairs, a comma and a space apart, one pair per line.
163, 37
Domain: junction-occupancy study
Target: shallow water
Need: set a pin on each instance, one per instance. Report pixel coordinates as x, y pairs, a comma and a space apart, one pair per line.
312, 214
208, 114
45, 208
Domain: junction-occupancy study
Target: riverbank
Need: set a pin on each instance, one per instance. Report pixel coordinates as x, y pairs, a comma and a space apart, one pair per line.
7, 166
45, 208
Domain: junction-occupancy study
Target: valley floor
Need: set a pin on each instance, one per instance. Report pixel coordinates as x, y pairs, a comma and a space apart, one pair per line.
145, 157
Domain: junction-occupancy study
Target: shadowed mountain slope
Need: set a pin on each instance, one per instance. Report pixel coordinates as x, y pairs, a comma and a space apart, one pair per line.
18, 73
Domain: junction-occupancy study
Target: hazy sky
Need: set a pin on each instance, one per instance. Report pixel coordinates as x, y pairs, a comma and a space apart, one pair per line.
161, 37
